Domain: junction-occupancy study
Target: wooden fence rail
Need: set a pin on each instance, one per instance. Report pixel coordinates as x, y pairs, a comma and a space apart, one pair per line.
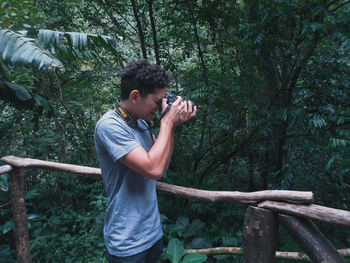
280, 201
5, 169
212, 196
311, 211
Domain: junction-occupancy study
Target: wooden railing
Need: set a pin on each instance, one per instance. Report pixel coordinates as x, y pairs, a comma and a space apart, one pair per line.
292, 209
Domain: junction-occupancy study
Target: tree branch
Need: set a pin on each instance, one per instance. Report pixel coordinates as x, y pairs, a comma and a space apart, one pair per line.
340, 6
139, 27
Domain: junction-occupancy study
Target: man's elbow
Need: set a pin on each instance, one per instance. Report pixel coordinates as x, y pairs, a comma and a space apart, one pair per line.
155, 173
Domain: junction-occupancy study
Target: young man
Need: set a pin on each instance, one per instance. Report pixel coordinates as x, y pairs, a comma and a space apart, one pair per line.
131, 160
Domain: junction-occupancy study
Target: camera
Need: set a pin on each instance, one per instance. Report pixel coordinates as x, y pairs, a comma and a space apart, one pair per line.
171, 97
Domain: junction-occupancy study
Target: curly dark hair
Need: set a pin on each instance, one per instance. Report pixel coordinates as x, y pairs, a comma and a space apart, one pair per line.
142, 76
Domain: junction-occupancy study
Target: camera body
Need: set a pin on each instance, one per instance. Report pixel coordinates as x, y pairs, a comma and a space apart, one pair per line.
171, 97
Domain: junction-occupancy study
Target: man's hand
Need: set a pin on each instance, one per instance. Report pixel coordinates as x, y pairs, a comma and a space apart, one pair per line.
180, 112
188, 113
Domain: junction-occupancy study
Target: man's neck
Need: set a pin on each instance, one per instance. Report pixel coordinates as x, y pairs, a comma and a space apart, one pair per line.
128, 107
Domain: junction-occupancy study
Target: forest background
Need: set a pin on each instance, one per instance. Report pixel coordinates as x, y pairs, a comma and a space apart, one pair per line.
270, 78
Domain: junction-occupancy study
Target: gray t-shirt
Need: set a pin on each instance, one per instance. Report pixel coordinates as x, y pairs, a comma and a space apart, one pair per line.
132, 222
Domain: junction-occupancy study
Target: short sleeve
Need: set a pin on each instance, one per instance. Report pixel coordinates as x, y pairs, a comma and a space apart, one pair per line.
115, 138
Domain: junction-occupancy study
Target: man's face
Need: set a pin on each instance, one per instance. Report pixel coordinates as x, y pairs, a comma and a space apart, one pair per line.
150, 104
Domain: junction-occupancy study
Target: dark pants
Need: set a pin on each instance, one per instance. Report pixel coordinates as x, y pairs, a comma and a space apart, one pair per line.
150, 255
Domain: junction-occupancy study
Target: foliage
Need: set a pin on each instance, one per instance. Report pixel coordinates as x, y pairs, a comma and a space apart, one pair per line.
18, 49
175, 253
21, 97
270, 79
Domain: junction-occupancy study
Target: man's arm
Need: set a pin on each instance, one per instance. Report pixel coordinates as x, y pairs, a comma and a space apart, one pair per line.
152, 164
171, 144
187, 114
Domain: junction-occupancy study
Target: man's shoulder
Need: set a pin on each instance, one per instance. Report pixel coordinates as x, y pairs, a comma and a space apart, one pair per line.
110, 118
110, 123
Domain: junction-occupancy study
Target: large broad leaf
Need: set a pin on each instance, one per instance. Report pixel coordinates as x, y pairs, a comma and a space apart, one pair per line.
175, 250
16, 49
74, 44
8, 226
194, 258
21, 98
183, 221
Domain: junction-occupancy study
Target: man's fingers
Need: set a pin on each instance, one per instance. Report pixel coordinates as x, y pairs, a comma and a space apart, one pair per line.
194, 112
191, 114
164, 105
177, 101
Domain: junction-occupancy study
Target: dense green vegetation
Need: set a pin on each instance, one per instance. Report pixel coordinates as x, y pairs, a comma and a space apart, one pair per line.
271, 80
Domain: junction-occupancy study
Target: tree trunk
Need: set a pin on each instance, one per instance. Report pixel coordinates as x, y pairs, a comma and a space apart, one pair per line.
251, 167
206, 102
154, 31
139, 27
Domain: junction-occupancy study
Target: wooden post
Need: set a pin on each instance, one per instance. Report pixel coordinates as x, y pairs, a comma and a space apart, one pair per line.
260, 229
16, 185
310, 239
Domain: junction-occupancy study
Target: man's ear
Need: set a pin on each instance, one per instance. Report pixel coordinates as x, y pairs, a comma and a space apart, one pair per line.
134, 95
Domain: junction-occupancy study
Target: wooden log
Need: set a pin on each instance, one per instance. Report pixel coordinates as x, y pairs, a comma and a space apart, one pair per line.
19, 212
239, 251
260, 229
5, 169
312, 211
345, 252
204, 195
310, 239
297, 256
34, 163
216, 251
235, 196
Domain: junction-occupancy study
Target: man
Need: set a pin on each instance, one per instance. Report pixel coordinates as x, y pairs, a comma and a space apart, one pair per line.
131, 160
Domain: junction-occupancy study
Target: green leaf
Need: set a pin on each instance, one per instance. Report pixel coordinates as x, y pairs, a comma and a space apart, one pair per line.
9, 225
342, 143
74, 44
319, 122
21, 97
32, 216
77, 40
175, 250
15, 94
55, 220
31, 194
20, 92
197, 224
17, 49
329, 163
4, 186
182, 221
200, 242
194, 258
